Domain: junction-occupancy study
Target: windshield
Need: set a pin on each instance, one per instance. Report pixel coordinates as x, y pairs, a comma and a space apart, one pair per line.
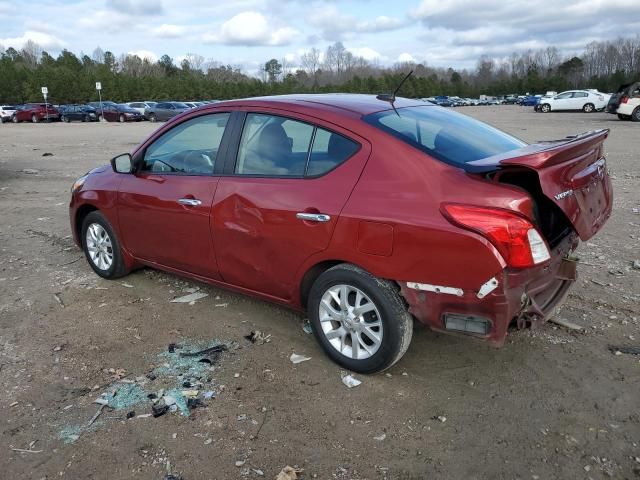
448, 136
180, 105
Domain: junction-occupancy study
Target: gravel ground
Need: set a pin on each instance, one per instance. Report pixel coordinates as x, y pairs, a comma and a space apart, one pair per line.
551, 404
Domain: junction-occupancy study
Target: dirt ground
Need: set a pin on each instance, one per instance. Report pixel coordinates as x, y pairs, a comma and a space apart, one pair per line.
551, 404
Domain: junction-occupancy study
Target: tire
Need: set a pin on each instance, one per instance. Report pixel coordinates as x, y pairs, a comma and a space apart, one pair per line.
99, 117
153, 118
121, 118
85, 118
97, 233
393, 323
624, 117
14, 119
65, 119
588, 108
545, 108
635, 115
34, 118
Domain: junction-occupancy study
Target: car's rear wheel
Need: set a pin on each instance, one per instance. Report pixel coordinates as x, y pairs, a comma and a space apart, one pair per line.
545, 108
99, 117
34, 118
360, 321
102, 247
588, 108
14, 119
153, 118
121, 118
65, 119
635, 116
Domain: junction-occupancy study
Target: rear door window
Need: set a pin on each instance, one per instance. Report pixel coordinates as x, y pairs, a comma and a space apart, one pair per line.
277, 146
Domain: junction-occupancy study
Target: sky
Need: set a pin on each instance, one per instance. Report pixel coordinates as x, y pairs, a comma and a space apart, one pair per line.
247, 33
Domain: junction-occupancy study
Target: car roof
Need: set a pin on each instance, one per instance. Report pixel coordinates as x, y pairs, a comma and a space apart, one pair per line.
360, 104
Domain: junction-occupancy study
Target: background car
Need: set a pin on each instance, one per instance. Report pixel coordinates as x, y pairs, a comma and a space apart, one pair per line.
236, 194
165, 110
530, 101
626, 102
83, 113
6, 112
141, 106
36, 112
585, 100
121, 113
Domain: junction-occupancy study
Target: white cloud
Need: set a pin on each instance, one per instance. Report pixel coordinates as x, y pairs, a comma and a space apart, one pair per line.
251, 28
168, 30
148, 54
136, 7
366, 53
45, 40
338, 26
406, 58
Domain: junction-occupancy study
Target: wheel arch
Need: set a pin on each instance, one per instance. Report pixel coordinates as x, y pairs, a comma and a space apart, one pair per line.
311, 275
81, 214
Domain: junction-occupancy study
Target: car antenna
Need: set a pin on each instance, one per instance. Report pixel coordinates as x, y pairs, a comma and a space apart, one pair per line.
391, 98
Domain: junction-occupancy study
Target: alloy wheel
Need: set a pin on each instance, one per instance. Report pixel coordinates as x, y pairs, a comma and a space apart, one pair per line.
350, 321
99, 246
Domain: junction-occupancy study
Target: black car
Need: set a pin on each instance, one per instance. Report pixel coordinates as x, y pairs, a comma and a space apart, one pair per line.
165, 110
83, 113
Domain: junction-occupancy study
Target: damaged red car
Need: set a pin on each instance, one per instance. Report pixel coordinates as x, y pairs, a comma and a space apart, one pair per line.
365, 213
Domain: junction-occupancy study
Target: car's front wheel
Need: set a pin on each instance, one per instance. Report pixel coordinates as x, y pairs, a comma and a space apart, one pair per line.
545, 108
101, 246
588, 108
360, 321
153, 118
34, 118
121, 118
635, 116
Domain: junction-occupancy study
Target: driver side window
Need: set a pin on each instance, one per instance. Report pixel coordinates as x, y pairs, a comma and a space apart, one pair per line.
190, 148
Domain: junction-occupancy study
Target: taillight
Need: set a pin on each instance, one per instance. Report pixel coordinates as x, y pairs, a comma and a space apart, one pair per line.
624, 99
515, 237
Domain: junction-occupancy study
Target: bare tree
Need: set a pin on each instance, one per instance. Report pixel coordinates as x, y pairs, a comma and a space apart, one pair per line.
98, 55
31, 53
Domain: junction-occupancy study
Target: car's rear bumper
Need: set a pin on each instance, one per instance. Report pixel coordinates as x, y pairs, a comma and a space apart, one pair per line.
527, 298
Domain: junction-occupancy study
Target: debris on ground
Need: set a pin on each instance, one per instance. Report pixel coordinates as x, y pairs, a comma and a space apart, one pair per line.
295, 358
27, 450
289, 473
58, 299
380, 437
30, 171
618, 350
258, 337
440, 418
306, 328
177, 384
47, 154
350, 381
191, 298
563, 322
127, 285
636, 265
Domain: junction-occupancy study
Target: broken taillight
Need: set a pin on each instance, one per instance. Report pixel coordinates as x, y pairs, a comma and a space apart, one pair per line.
624, 99
515, 237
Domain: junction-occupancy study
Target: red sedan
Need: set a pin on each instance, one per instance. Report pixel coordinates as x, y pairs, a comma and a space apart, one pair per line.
36, 112
364, 213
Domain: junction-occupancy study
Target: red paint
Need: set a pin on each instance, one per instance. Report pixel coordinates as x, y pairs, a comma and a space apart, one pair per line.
39, 110
385, 207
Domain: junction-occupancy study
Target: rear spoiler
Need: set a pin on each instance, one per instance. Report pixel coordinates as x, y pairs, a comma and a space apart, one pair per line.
541, 154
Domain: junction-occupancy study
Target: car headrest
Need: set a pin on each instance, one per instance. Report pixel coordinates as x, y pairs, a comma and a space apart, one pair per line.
273, 141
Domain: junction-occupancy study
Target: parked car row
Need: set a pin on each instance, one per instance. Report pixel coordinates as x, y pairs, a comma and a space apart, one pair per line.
626, 102
96, 111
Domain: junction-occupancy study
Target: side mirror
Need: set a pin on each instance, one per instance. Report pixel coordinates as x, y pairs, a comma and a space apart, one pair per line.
122, 163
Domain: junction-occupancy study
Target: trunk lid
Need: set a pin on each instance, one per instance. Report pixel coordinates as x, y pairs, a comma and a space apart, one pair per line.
572, 173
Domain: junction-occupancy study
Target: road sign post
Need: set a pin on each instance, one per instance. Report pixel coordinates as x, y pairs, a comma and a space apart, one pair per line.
99, 88
45, 92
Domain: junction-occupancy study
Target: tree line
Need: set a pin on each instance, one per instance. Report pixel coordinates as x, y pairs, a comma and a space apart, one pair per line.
71, 78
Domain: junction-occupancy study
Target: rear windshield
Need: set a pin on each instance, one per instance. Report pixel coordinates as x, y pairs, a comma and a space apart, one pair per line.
448, 136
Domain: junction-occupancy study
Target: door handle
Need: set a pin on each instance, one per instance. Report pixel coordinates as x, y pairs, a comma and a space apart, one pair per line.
192, 202
313, 217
